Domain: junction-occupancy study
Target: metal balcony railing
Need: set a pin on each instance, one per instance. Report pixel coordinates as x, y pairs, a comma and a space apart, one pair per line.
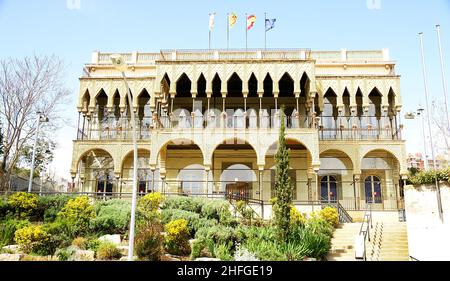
329, 128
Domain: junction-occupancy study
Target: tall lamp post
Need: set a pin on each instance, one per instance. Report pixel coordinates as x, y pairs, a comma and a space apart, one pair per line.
120, 65
420, 112
41, 119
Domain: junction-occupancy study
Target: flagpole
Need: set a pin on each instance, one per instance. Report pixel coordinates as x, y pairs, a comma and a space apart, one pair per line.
246, 23
444, 84
209, 38
265, 31
228, 31
424, 73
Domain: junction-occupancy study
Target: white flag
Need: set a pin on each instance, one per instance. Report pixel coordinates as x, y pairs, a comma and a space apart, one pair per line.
211, 21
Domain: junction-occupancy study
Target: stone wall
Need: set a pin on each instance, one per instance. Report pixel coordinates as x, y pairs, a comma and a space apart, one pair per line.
428, 236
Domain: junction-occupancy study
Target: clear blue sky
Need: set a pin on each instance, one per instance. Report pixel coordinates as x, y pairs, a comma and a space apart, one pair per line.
49, 27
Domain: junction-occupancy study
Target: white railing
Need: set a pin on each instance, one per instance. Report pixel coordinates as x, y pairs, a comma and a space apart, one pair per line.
250, 54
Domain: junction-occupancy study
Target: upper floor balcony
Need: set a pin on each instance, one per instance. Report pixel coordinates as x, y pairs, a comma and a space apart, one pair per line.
328, 127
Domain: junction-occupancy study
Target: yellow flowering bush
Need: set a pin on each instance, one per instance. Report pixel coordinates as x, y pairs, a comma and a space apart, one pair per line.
23, 203
296, 216
31, 238
79, 212
331, 215
151, 201
177, 237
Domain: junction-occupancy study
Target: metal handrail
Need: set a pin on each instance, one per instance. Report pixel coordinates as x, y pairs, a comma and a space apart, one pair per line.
248, 200
344, 216
366, 232
413, 258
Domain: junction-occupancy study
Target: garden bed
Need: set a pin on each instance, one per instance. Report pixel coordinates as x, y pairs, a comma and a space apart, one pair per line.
173, 228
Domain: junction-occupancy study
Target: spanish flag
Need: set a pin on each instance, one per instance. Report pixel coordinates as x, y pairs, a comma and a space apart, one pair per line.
250, 21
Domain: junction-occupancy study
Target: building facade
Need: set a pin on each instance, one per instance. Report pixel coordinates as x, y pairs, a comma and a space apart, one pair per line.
208, 124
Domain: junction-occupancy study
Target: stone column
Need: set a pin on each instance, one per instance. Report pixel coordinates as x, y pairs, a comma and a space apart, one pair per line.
311, 194
206, 179
260, 180
354, 118
118, 185
340, 120
356, 190
153, 168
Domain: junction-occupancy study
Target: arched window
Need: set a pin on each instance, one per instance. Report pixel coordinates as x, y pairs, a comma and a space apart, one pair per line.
105, 180
191, 179
328, 188
146, 181
238, 179
372, 187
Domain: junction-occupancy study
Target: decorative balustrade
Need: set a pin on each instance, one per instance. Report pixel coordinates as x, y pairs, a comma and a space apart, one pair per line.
341, 128
249, 54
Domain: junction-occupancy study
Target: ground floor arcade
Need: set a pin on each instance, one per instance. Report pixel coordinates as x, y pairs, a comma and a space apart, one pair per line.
352, 174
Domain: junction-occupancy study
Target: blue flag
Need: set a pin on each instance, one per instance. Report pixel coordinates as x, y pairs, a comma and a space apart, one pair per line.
270, 23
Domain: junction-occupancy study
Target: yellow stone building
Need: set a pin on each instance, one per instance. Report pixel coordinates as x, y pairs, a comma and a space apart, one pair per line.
208, 124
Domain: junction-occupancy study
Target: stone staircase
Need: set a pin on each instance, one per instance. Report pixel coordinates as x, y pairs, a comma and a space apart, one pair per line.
342, 243
389, 242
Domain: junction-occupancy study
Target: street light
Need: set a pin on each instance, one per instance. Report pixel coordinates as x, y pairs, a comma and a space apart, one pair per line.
420, 111
41, 119
120, 65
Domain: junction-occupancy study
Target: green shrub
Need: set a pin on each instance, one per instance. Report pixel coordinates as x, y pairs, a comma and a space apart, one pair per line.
196, 248
79, 212
62, 233
267, 233
177, 237
92, 244
64, 254
219, 234
32, 238
8, 228
224, 251
168, 215
23, 203
291, 251
149, 242
331, 215
5, 209
108, 251
112, 216
429, 176
264, 250
245, 211
48, 207
313, 244
190, 204
216, 209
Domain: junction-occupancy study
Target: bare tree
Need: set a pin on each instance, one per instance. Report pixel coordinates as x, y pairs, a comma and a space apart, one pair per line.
440, 129
28, 85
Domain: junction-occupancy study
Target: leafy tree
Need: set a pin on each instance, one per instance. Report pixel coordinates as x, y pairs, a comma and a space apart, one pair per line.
283, 186
44, 155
